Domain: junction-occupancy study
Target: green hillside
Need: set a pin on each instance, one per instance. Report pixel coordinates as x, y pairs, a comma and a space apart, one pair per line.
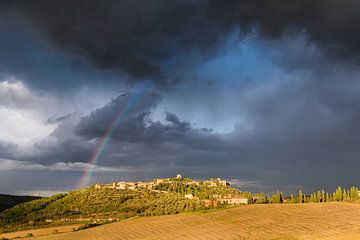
8, 201
105, 204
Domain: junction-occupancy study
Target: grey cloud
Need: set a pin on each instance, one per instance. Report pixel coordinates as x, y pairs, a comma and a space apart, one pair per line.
133, 36
136, 128
7, 149
139, 36
122, 109
12, 165
331, 25
60, 146
28, 58
57, 119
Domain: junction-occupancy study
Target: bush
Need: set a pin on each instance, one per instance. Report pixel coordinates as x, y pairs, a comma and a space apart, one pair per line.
89, 225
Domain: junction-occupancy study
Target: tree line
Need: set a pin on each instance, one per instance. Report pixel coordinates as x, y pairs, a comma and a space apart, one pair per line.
340, 194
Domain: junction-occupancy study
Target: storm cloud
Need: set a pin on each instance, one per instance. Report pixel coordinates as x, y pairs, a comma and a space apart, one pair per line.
133, 36
263, 93
138, 37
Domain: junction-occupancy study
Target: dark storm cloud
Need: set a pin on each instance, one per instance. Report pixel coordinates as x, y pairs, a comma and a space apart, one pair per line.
97, 123
139, 36
135, 36
137, 127
332, 24
27, 57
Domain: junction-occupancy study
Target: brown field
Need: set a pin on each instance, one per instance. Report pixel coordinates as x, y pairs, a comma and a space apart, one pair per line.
41, 231
286, 221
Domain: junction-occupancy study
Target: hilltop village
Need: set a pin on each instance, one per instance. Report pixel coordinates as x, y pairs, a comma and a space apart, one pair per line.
154, 186
151, 184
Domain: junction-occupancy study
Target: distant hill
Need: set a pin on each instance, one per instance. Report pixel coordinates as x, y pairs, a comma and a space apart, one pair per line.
8, 201
109, 204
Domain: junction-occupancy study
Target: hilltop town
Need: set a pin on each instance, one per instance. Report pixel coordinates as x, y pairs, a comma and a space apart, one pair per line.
124, 199
151, 184
156, 186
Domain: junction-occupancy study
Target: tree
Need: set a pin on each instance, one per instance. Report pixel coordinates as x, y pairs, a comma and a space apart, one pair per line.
315, 197
301, 198
306, 199
278, 197
354, 193
339, 195
318, 196
281, 196
345, 196
311, 198
249, 197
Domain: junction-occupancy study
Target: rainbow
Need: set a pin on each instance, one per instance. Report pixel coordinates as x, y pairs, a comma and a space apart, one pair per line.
118, 119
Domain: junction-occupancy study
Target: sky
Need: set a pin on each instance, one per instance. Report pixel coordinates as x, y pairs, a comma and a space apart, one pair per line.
262, 93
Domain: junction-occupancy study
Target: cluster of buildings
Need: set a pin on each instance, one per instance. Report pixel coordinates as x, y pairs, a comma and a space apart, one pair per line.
127, 185
88, 219
231, 200
151, 184
234, 200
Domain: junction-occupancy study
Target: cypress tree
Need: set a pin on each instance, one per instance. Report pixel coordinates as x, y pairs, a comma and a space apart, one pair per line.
345, 196
314, 197
354, 193
339, 194
318, 196
301, 198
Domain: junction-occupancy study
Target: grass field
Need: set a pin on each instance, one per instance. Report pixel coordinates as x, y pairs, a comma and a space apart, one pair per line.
41, 231
273, 221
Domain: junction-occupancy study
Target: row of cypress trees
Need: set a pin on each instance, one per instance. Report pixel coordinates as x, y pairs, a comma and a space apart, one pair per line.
340, 194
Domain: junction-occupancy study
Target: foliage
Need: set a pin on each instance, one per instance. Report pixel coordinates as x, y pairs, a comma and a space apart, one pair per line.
94, 205
8, 201
88, 225
319, 196
278, 197
202, 191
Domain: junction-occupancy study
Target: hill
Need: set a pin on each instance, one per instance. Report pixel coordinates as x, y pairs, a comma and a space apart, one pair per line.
8, 201
259, 221
104, 204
